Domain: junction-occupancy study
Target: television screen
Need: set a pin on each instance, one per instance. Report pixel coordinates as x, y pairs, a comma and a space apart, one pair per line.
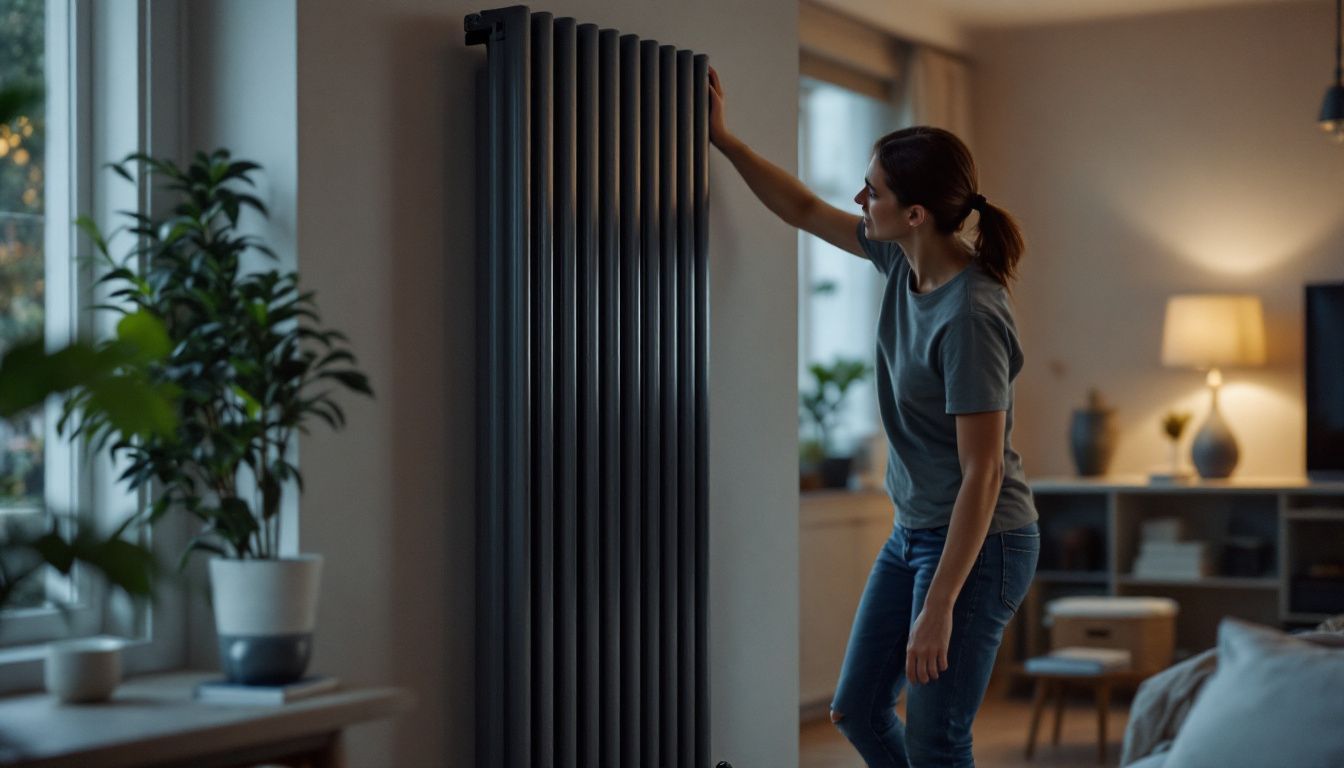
1325, 380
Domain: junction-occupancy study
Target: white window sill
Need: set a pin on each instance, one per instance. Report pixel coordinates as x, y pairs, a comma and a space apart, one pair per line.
154, 719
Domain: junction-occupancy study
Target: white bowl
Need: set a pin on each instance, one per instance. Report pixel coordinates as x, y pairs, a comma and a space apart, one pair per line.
84, 669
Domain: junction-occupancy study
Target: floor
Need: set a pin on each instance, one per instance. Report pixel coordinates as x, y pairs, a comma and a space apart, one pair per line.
1000, 736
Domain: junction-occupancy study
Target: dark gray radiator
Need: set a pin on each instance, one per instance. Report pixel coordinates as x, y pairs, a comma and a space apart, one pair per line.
592, 464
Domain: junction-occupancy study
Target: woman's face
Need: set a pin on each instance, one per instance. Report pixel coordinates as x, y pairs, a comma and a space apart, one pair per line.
883, 216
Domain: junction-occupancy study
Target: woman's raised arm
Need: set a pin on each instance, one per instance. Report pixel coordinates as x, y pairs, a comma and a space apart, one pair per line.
787, 197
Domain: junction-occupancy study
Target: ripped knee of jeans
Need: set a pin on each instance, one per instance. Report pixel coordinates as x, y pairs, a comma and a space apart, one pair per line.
836, 716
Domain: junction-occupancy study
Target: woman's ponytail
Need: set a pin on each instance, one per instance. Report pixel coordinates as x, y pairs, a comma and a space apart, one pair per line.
998, 243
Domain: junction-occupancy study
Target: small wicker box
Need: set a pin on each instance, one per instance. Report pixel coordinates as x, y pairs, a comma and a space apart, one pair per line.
1145, 626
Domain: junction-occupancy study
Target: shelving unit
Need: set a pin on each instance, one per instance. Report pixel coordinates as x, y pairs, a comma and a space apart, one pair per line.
1072, 577
1090, 536
1207, 582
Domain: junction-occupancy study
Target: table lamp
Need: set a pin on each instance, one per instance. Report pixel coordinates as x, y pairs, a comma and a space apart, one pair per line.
1210, 332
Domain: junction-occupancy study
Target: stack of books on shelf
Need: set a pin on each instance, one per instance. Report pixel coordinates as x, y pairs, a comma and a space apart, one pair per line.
1076, 660
1163, 555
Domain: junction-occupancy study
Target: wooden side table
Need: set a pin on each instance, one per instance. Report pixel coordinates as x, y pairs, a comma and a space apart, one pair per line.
154, 720
1048, 684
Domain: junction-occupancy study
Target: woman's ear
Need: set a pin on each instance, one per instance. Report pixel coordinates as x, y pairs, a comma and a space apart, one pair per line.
916, 215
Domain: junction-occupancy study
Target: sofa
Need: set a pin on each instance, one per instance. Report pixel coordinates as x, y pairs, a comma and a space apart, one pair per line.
1262, 698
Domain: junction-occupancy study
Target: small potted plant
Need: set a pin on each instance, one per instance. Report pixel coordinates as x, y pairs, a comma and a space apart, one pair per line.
1173, 425
255, 368
810, 456
821, 405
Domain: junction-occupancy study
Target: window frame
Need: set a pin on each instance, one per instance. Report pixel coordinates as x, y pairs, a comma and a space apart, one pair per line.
117, 90
860, 413
62, 490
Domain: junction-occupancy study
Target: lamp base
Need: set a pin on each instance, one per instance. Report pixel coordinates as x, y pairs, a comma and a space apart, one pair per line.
1214, 452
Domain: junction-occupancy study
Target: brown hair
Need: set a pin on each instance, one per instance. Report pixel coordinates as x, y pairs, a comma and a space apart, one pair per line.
931, 167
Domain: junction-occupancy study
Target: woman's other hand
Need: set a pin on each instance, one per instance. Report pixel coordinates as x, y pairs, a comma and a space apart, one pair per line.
926, 652
718, 132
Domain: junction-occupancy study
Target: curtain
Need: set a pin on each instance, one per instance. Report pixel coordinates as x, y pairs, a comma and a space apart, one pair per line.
937, 92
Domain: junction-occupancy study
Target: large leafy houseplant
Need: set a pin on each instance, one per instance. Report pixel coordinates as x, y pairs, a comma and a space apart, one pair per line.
248, 354
110, 379
254, 367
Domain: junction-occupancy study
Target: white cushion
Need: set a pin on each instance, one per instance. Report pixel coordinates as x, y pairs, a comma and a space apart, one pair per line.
1155, 760
1276, 700
1112, 607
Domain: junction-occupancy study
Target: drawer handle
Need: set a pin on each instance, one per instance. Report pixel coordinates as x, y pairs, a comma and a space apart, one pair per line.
1098, 632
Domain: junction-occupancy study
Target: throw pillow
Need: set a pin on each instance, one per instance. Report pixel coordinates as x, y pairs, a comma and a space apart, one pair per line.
1332, 624
1274, 701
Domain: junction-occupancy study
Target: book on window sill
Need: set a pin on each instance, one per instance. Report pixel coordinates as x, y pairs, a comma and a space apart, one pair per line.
224, 692
1080, 661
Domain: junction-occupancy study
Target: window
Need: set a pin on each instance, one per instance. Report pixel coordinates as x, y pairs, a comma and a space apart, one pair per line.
839, 295
36, 469
22, 277
100, 62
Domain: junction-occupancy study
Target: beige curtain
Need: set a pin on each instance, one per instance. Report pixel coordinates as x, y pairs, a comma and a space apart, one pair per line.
924, 85
937, 92
846, 52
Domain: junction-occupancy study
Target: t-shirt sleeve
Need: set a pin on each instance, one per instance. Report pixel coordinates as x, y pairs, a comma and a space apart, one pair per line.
976, 360
881, 254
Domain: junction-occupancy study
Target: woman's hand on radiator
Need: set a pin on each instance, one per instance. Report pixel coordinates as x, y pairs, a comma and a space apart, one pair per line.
718, 132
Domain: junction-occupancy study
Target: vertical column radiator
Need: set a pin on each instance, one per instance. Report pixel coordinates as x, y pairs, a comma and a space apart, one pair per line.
592, 463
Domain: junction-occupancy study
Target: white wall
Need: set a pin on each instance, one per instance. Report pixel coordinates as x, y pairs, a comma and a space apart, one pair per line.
385, 234
238, 91
1151, 156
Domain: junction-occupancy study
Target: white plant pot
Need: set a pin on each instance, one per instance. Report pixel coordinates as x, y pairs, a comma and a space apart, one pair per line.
265, 613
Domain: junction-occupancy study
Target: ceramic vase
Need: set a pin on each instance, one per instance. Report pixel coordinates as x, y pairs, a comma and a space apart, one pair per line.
1092, 438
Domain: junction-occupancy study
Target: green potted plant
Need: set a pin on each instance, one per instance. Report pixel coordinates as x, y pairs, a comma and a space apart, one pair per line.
1173, 425
255, 368
820, 406
111, 381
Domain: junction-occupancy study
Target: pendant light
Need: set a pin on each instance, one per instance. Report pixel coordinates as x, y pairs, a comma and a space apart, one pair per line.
1332, 107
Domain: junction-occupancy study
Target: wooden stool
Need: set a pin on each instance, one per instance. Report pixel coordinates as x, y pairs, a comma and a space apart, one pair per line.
1051, 683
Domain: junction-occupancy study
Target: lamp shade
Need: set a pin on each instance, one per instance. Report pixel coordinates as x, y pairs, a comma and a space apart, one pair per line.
1213, 331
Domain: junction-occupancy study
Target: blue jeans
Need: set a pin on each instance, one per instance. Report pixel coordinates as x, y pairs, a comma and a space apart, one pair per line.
939, 714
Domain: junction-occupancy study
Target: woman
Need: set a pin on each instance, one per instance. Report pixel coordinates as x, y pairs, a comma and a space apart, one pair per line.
964, 546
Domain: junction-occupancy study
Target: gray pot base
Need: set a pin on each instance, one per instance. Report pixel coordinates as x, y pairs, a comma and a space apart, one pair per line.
265, 659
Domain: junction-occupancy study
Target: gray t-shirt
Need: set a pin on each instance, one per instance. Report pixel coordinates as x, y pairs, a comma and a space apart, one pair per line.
949, 351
